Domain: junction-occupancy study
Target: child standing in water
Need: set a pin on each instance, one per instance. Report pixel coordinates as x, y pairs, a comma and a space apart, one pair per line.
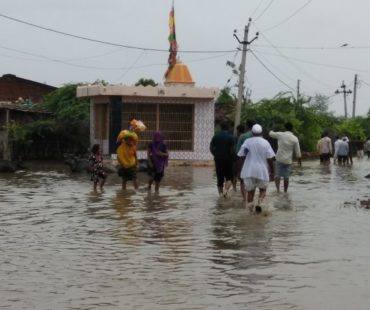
157, 160
96, 166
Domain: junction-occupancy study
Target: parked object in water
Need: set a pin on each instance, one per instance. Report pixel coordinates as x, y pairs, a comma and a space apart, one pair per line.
81, 164
10, 166
76, 163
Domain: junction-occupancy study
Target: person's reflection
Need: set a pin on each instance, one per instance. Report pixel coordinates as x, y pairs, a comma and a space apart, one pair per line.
282, 202
95, 201
165, 227
325, 169
129, 229
240, 242
179, 178
147, 219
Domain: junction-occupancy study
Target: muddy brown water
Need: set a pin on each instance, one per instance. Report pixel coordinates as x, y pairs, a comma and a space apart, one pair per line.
63, 246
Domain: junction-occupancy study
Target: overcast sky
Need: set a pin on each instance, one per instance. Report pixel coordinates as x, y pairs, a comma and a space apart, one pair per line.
299, 40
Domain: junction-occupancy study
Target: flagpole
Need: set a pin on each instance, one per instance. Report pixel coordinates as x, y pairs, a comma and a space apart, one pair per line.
172, 41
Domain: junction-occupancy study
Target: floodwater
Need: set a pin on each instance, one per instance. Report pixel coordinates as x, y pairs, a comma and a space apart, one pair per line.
62, 246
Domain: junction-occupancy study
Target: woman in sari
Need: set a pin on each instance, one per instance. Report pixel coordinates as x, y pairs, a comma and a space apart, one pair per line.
157, 160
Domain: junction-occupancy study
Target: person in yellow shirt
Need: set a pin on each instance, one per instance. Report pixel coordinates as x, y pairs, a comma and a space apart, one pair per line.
127, 157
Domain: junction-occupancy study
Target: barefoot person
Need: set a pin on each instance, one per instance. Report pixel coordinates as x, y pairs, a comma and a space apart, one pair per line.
222, 149
258, 166
325, 148
157, 160
246, 135
98, 176
127, 157
288, 145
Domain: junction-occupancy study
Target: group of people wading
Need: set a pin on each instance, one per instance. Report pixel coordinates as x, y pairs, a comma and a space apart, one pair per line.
157, 158
250, 158
247, 157
343, 149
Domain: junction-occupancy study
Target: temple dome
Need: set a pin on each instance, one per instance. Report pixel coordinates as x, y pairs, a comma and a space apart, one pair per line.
179, 74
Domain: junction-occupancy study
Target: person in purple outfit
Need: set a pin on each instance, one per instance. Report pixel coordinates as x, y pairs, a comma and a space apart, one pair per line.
157, 160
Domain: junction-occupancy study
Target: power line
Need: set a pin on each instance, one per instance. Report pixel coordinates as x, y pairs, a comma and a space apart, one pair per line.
257, 7
129, 68
46, 58
276, 69
289, 17
264, 11
272, 73
317, 47
366, 83
315, 63
109, 43
294, 65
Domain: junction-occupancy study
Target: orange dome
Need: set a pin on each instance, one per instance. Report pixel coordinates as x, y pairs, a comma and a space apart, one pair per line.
179, 74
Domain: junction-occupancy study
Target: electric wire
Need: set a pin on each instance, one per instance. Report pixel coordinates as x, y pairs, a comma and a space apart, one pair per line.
366, 83
343, 48
289, 17
257, 7
46, 58
109, 43
320, 82
314, 63
130, 67
272, 73
273, 67
264, 11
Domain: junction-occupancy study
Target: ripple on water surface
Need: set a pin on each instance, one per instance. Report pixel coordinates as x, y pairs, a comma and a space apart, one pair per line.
64, 246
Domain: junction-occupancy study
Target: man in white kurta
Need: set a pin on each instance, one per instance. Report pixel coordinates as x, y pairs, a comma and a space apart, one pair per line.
258, 165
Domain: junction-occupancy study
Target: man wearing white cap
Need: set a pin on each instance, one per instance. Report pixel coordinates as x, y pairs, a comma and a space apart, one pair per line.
258, 166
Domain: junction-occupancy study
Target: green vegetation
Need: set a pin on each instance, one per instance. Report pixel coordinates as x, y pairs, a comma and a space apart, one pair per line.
146, 82
309, 116
64, 128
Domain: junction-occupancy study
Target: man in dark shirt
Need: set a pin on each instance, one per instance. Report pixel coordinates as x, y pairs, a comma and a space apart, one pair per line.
222, 149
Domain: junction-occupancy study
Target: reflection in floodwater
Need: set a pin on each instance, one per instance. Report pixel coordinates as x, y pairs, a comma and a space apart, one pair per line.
64, 246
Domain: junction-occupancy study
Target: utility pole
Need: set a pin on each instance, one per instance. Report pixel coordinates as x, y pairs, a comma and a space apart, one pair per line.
248, 95
298, 90
345, 94
244, 44
354, 97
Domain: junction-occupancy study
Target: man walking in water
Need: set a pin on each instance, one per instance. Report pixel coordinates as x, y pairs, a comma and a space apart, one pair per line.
258, 165
240, 161
325, 148
288, 145
223, 151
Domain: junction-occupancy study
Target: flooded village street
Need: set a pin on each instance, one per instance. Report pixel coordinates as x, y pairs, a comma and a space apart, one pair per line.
64, 246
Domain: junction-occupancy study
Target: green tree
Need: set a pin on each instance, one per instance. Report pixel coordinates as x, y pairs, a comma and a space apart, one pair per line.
309, 116
225, 106
67, 108
146, 82
352, 128
71, 119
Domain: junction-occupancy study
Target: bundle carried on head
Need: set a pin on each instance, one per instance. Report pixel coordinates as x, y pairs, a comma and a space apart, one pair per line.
137, 125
